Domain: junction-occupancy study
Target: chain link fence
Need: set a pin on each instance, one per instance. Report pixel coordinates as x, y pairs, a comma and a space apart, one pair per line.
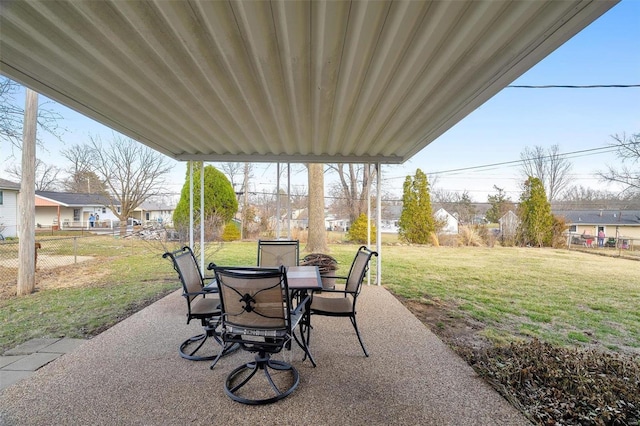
621, 247
54, 252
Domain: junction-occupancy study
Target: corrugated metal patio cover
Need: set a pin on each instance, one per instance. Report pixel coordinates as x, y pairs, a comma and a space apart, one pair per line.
297, 81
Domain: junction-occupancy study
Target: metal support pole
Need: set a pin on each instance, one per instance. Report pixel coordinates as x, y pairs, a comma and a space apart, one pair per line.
191, 204
277, 201
367, 174
202, 215
378, 223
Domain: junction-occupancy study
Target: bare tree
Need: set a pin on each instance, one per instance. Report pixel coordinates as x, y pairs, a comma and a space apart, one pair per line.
446, 199
235, 172
299, 197
12, 115
628, 173
351, 192
46, 175
580, 197
131, 172
81, 177
551, 167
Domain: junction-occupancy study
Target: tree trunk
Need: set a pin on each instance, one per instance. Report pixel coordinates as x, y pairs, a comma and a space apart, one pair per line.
27, 229
317, 240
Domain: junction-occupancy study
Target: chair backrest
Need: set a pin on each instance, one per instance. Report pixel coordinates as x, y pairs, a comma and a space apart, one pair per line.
274, 253
255, 303
186, 265
359, 269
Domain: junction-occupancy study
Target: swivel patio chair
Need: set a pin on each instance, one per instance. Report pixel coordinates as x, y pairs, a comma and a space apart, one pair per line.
257, 314
342, 302
273, 253
203, 303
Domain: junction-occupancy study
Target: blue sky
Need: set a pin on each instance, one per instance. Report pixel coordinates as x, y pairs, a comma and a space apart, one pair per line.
606, 52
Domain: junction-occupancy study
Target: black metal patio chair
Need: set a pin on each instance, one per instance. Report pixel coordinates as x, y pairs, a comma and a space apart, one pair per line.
203, 303
273, 253
341, 302
257, 314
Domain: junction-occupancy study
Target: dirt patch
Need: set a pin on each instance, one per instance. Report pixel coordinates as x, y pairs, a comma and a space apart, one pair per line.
550, 385
452, 328
90, 274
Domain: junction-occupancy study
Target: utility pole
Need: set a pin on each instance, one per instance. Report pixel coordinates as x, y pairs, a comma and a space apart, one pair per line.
26, 204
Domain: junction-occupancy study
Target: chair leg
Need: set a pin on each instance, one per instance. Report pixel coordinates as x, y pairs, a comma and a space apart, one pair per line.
303, 344
187, 350
355, 326
187, 353
243, 374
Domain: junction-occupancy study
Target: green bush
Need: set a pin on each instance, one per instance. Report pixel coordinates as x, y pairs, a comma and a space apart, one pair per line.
231, 232
358, 231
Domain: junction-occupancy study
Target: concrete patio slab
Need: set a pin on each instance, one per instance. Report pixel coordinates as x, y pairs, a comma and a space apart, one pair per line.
132, 375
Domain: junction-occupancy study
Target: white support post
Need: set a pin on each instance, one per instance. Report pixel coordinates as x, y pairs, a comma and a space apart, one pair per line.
277, 201
378, 223
367, 173
202, 216
191, 204
288, 201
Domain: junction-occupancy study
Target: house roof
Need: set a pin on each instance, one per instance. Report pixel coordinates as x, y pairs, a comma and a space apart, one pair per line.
7, 184
297, 81
601, 217
152, 206
69, 199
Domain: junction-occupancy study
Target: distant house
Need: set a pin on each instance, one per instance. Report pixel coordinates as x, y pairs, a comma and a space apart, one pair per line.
390, 218
9, 192
450, 221
154, 212
614, 223
337, 223
70, 210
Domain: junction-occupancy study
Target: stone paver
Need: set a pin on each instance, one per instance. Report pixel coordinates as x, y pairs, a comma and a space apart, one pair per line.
33, 345
20, 362
63, 346
6, 360
32, 362
7, 378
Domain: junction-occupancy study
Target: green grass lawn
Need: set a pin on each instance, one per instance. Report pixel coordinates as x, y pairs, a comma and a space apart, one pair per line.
559, 296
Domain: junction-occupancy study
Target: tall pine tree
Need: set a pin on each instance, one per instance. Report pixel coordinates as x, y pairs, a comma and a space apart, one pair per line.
534, 212
416, 224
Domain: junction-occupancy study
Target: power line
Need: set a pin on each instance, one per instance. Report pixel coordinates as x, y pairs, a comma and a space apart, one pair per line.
590, 86
515, 162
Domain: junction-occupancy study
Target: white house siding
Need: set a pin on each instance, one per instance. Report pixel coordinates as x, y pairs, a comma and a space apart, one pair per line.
451, 225
9, 212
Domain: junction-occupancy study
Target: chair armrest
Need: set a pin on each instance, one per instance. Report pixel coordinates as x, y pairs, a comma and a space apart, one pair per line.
211, 288
334, 276
302, 305
199, 293
211, 266
334, 290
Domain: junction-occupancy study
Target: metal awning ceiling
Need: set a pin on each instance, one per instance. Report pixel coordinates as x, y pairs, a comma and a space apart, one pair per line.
281, 80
